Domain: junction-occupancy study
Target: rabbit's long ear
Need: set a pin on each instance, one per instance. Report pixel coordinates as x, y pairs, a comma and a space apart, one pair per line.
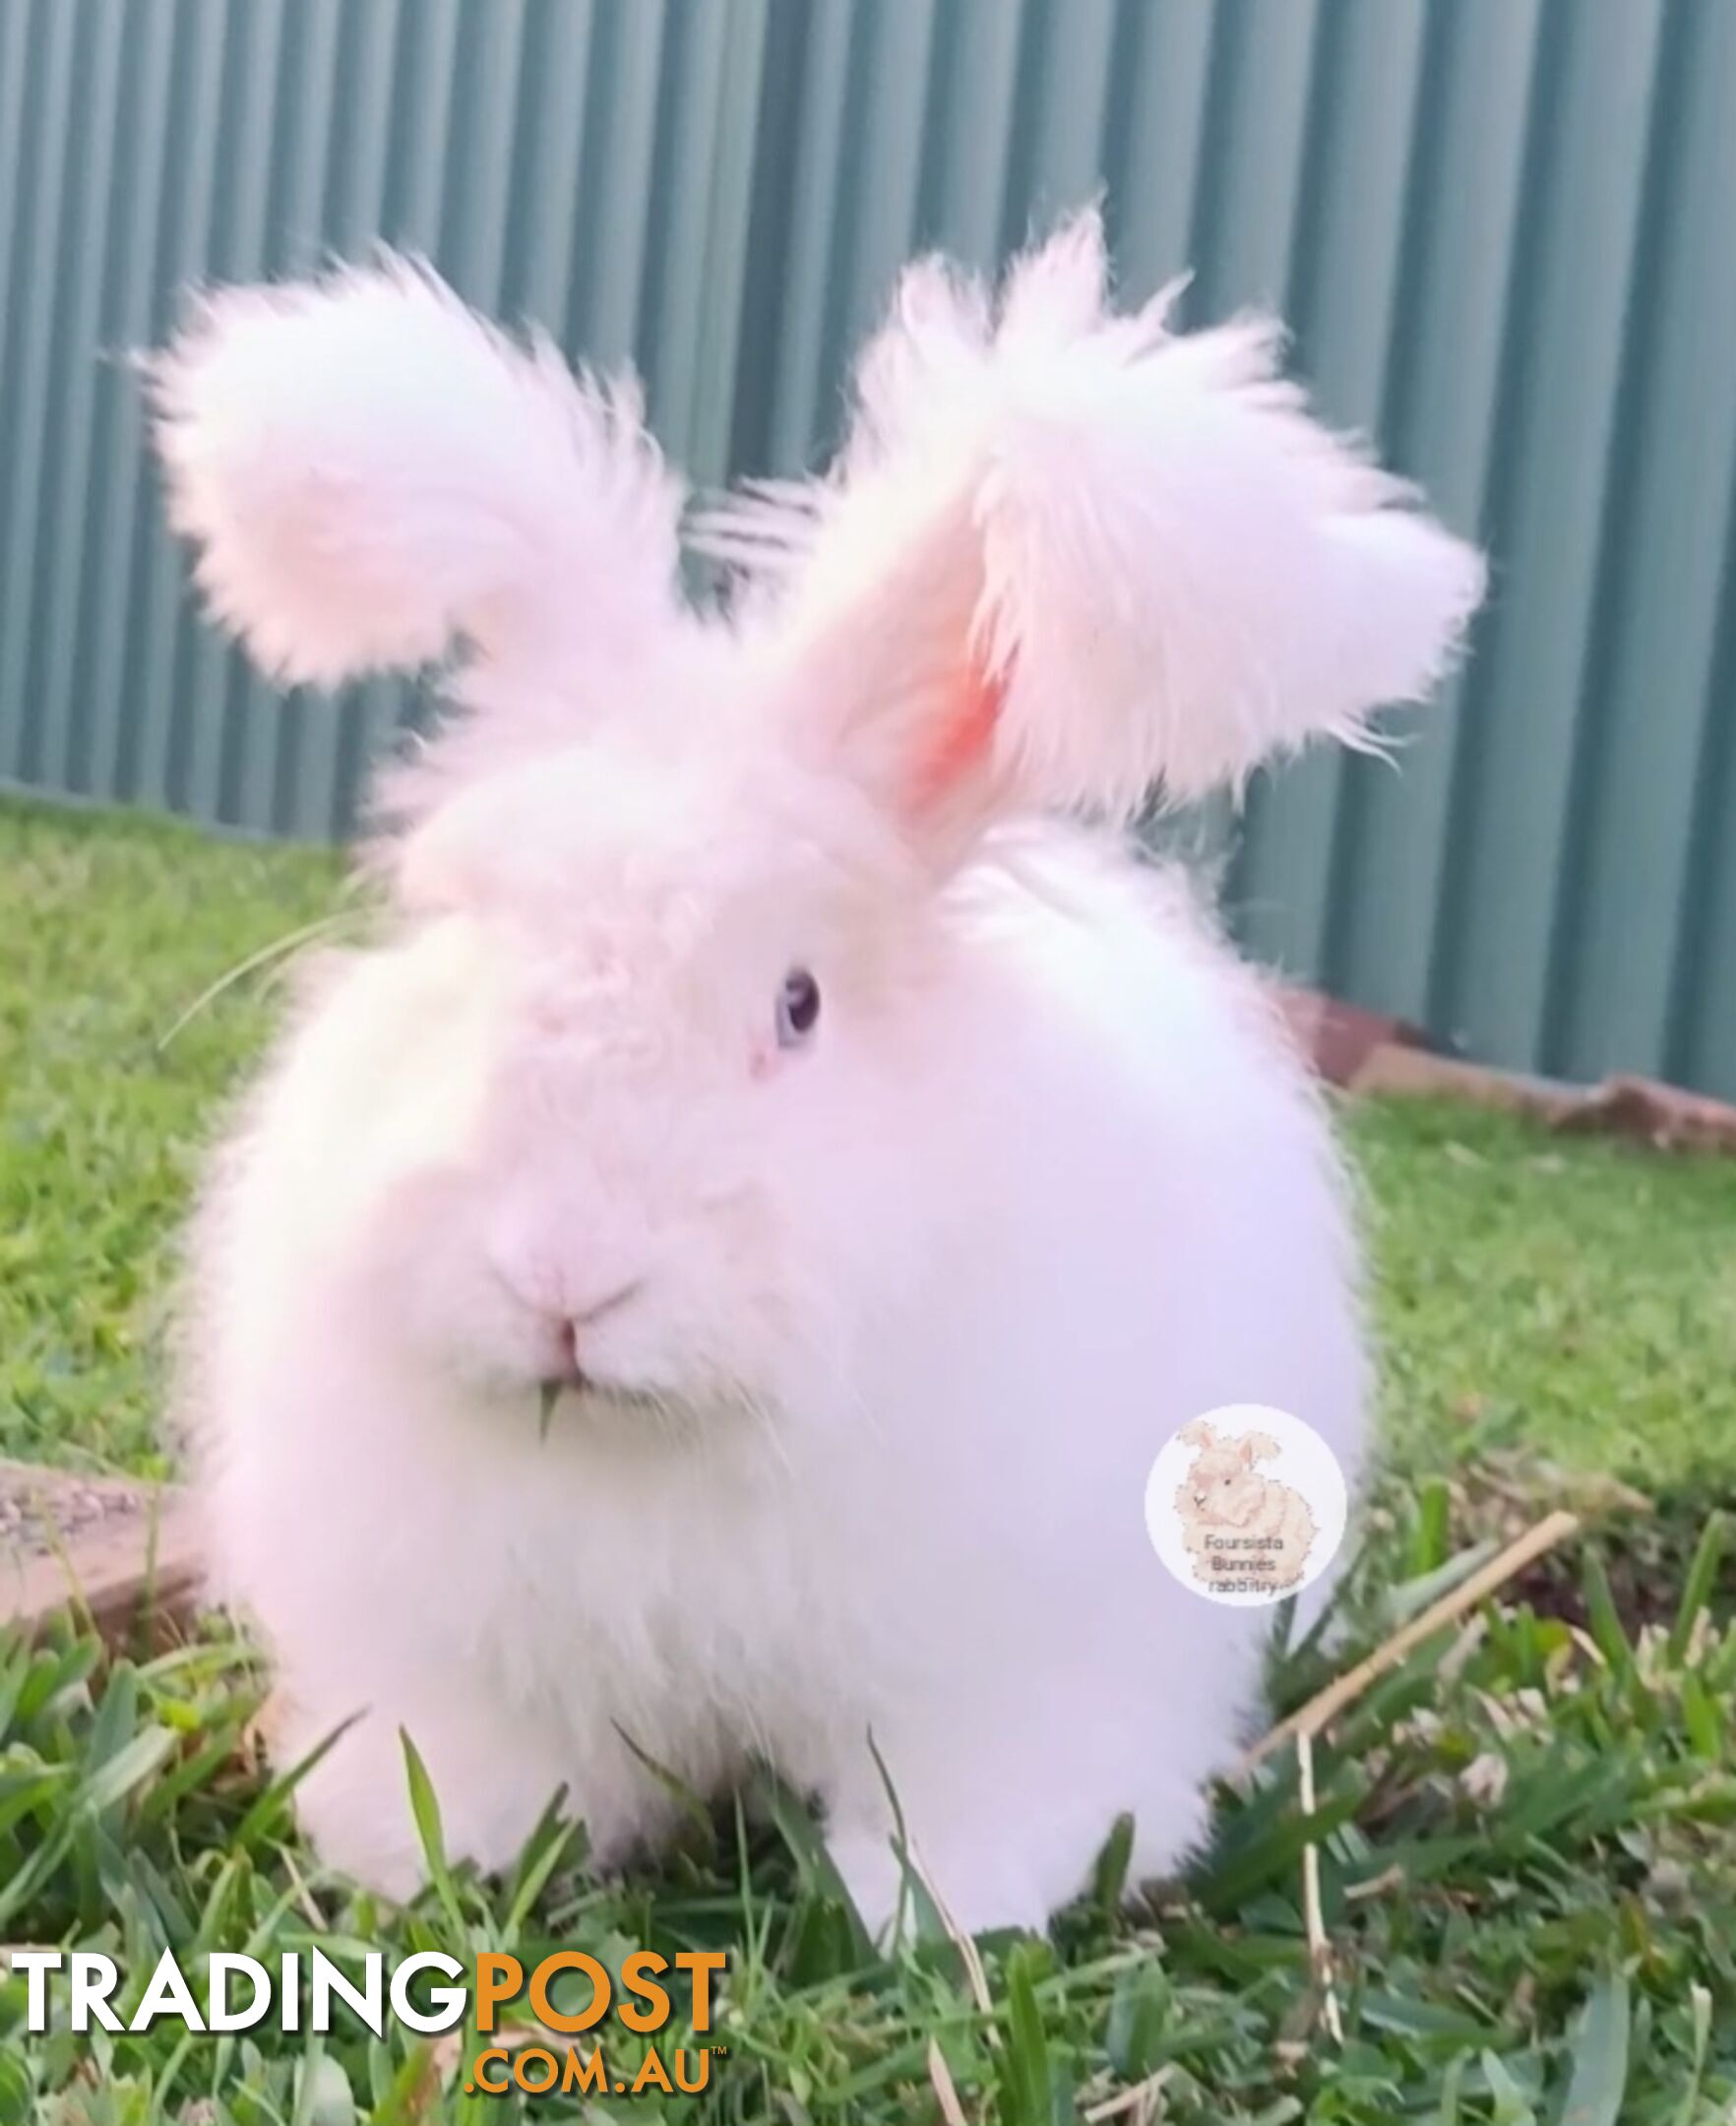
1068, 557
370, 472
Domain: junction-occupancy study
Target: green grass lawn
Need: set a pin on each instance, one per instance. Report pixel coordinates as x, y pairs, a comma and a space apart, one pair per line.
1527, 1849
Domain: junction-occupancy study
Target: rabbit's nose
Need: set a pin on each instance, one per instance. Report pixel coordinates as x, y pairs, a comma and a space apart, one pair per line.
567, 1332
564, 1369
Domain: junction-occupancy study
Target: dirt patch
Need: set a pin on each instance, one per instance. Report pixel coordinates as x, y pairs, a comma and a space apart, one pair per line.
1646, 1544
99, 1541
42, 1511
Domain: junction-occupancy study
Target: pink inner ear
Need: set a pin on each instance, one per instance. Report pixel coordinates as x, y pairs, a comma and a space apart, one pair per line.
967, 730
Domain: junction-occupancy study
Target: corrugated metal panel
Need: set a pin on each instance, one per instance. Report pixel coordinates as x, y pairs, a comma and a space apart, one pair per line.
1499, 228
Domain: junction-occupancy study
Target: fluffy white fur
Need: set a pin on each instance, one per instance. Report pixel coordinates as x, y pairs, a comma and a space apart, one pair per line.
1176, 572
372, 474
879, 1331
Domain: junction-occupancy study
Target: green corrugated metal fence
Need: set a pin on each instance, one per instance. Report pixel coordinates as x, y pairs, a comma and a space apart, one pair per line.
1505, 231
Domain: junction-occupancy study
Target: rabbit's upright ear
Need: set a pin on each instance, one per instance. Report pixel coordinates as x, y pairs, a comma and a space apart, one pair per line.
1258, 1447
1197, 1434
1067, 557
371, 474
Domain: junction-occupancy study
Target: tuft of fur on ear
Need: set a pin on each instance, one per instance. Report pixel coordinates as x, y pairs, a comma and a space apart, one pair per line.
371, 473
1162, 570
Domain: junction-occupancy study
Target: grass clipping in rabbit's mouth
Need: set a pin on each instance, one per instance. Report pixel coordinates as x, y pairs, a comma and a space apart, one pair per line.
596, 1399
548, 1393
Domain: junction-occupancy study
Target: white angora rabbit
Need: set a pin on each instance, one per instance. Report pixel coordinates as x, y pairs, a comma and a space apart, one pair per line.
775, 1044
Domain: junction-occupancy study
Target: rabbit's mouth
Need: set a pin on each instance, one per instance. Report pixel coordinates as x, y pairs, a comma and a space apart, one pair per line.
564, 1339
576, 1398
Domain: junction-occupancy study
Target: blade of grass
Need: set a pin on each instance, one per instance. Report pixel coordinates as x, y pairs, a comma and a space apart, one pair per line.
1599, 2078
425, 1809
1709, 1555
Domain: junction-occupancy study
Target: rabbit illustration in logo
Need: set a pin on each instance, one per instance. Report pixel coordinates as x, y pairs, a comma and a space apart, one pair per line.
773, 1046
1237, 1524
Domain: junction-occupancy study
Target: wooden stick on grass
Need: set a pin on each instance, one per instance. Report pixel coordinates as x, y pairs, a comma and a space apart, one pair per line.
1320, 1949
1304, 1725
1327, 1705
946, 2091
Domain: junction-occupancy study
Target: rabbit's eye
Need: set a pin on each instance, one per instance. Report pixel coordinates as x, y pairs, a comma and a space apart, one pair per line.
798, 1008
